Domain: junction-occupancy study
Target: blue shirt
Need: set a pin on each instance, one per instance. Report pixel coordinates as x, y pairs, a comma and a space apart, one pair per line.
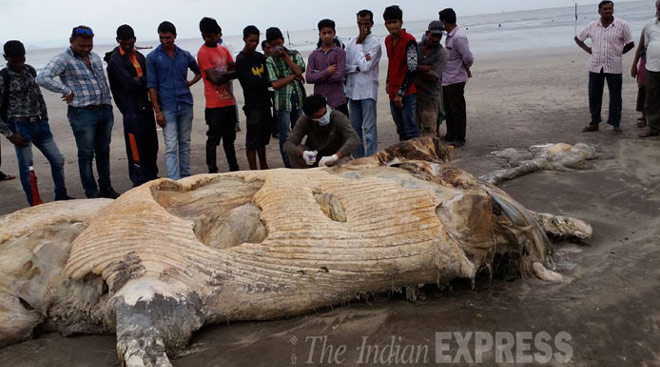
87, 83
169, 76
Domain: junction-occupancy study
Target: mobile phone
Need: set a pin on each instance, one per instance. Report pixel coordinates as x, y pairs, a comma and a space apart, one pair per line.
278, 48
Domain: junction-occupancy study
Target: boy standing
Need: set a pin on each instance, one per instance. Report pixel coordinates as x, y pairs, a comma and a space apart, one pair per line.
251, 73
362, 57
326, 67
24, 119
432, 62
285, 73
127, 73
169, 91
218, 69
401, 68
454, 78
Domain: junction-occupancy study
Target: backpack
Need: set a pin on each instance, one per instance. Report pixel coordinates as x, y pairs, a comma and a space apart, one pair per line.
4, 104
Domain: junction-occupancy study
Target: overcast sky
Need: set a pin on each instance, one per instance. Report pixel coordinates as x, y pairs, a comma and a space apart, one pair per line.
49, 22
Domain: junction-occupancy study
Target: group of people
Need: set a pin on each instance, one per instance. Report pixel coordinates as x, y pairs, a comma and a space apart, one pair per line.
155, 90
610, 40
323, 129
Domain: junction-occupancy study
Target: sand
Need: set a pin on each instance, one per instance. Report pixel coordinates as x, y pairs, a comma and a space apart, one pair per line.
514, 100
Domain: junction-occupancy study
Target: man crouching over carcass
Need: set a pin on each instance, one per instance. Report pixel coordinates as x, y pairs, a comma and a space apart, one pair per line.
331, 138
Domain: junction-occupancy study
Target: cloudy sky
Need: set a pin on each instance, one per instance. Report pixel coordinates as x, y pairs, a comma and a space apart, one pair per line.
47, 23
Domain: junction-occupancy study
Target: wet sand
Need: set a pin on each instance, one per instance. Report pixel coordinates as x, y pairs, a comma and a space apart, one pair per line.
514, 100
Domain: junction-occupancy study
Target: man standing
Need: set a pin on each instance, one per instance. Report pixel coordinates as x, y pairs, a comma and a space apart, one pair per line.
362, 57
326, 67
127, 73
454, 78
169, 91
285, 73
432, 61
330, 137
24, 119
610, 39
218, 70
265, 47
401, 68
84, 87
251, 72
652, 102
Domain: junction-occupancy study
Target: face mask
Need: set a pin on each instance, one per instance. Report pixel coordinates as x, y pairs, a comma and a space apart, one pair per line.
323, 121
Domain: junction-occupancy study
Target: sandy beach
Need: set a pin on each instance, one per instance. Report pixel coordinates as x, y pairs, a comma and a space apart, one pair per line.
514, 100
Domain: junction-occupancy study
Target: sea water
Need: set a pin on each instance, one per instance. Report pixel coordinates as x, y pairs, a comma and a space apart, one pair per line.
489, 33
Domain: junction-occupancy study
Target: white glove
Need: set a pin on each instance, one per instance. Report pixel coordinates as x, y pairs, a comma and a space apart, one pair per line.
310, 157
328, 161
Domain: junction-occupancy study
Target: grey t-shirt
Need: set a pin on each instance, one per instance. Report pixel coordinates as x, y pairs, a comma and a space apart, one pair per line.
428, 84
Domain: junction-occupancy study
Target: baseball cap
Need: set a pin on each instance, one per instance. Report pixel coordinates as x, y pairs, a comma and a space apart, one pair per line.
436, 27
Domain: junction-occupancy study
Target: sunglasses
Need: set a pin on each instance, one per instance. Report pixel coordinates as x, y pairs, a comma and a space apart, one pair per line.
86, 31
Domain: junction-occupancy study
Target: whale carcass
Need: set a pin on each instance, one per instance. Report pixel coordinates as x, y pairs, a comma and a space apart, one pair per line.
168, 257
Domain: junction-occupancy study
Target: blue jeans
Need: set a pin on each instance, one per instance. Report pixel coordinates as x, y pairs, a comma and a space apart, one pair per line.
404, 118
176, 135
363, 116
38, 133
92, 129
284, 126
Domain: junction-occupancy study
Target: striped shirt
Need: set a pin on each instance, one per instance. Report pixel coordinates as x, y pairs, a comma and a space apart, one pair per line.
330, 86
88, 84
606, 45
278, 69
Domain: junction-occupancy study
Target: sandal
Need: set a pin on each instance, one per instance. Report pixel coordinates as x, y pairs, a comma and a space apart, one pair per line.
6, 177
641, 122
649, 134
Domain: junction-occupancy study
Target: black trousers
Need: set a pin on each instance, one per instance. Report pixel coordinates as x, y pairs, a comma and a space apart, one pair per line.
343, 109
222, 126
453, 97
652, 105
596, 85
141, 145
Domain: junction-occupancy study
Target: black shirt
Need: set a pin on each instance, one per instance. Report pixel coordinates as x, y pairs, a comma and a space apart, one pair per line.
253, 75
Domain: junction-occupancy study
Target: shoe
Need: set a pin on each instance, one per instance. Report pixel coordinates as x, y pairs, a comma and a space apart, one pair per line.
457, 144
65, 197
617, 131
649, 134
590, 127
213, 170
6, 177
641, 122
447, 138
109, 193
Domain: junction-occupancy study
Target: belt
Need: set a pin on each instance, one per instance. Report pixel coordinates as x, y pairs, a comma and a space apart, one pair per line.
28, 119
94, 107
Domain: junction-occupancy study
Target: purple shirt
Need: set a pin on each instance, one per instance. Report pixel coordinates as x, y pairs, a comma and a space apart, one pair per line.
458, 58
328, 85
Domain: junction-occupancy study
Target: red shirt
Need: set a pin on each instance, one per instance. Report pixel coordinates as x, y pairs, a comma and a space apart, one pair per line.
402, 64
215, 58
